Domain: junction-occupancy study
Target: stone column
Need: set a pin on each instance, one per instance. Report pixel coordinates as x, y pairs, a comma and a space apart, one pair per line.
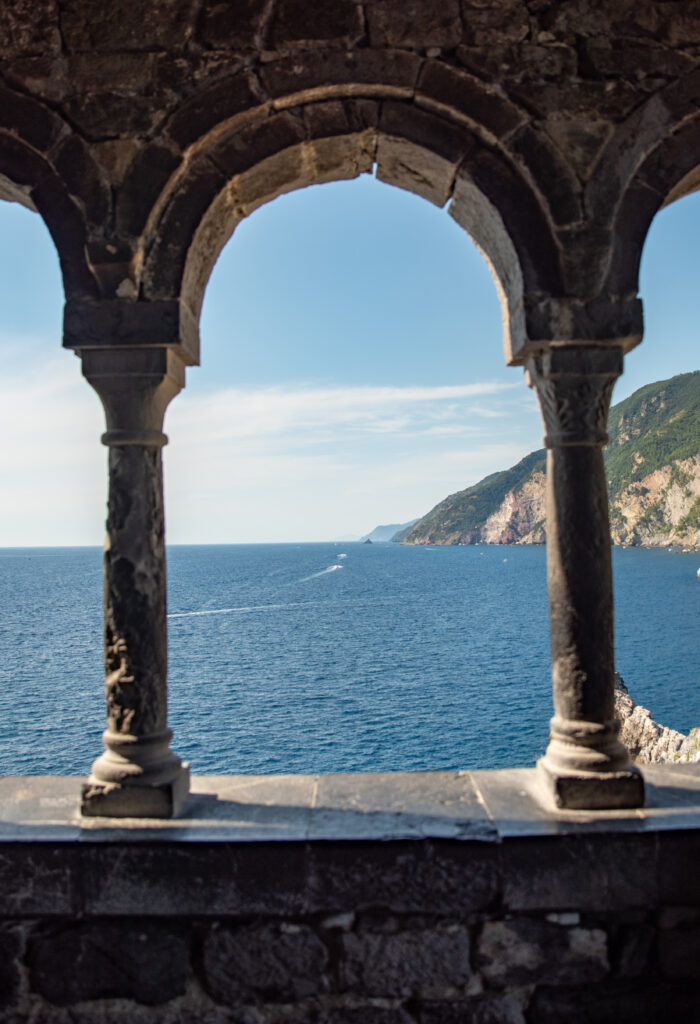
138, 775
585, 765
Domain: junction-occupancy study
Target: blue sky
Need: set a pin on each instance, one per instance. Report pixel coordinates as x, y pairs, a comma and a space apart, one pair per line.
352, 373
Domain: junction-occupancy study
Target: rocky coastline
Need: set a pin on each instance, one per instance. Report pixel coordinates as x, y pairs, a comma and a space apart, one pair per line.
647, 741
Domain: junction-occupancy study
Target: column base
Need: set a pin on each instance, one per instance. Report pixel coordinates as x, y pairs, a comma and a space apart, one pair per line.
572, 790
115, 800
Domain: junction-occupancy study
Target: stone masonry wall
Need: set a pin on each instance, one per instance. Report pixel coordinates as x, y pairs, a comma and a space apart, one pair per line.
143, 132
594, 925
355, 968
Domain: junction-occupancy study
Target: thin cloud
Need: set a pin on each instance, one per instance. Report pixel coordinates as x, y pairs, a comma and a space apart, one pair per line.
264, 464
236, 413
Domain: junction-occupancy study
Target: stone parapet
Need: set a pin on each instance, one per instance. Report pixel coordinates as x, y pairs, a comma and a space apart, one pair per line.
416, 898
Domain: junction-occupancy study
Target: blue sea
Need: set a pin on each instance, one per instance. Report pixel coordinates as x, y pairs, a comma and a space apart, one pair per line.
333, 657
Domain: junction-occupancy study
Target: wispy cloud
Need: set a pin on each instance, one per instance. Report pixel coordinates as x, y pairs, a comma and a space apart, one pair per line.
319, 413
284, 463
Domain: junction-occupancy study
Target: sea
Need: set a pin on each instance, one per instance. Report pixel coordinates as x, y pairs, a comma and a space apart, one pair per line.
333, 657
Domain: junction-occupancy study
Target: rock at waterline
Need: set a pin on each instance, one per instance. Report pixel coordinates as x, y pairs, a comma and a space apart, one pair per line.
647, 741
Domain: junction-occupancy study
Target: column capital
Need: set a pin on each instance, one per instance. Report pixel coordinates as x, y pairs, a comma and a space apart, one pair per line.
574, 385
135, 387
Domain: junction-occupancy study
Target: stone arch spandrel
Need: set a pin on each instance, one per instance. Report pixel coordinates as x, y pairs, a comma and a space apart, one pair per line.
412, 147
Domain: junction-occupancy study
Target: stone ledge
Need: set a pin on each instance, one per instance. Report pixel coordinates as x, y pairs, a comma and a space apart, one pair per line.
482, 806
407, 843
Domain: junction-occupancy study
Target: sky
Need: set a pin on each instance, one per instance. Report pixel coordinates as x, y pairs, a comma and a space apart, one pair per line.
352, 374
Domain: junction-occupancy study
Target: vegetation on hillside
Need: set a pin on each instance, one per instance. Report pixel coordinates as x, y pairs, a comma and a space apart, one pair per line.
654, 427
455, 517
657, 426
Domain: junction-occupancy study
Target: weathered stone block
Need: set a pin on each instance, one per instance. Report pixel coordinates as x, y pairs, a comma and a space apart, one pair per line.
126, 24
231, 24
679, 952
21, 169
445, 87
449, 877
619, 1003
411, 167
9, 971
443, 138
364, 1014
76, 167
144, 181
144, 961
583, 790
233, 97
580, 140
341, 158
268, 962
272, 177
486, 24
552, 174
243, 150
340, 117
360, 69
581, 872
164, 268
197, 879
414, 25
29, 119
408, 963
110, 113
674, 917
297, 21
487, 1009
631, 950
38, 878
29, 28
679, 882
159, 801
521, 951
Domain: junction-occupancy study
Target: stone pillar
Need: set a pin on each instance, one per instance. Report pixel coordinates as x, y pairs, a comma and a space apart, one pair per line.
585, 765
138, 775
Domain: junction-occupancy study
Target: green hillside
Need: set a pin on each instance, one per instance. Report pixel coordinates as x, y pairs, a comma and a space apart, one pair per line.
657, 425
458, 515
653, 429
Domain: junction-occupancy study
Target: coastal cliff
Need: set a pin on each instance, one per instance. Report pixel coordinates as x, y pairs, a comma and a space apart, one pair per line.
647, 741
653, 468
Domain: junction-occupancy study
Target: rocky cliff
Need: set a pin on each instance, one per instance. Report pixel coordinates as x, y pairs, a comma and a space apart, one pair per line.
653, 469
647, 741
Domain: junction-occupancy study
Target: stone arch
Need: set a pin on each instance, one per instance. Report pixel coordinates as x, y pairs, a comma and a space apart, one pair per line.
650, 160
47, 168
252, 159
670, 171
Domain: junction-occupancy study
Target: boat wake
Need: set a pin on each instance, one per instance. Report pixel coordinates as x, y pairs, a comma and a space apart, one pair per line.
240, 608
323, 572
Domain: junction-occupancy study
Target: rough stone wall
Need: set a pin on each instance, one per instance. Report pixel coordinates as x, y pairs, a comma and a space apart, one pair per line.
553, 922
144, 131
354, 968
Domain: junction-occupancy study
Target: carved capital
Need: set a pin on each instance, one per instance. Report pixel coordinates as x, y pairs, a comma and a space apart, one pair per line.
135, 387
574, 387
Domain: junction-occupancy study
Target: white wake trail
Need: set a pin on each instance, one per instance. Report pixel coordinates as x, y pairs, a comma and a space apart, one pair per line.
240, 608
323, 572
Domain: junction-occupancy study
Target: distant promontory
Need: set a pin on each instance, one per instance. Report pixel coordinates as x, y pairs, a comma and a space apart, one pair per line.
653, 468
